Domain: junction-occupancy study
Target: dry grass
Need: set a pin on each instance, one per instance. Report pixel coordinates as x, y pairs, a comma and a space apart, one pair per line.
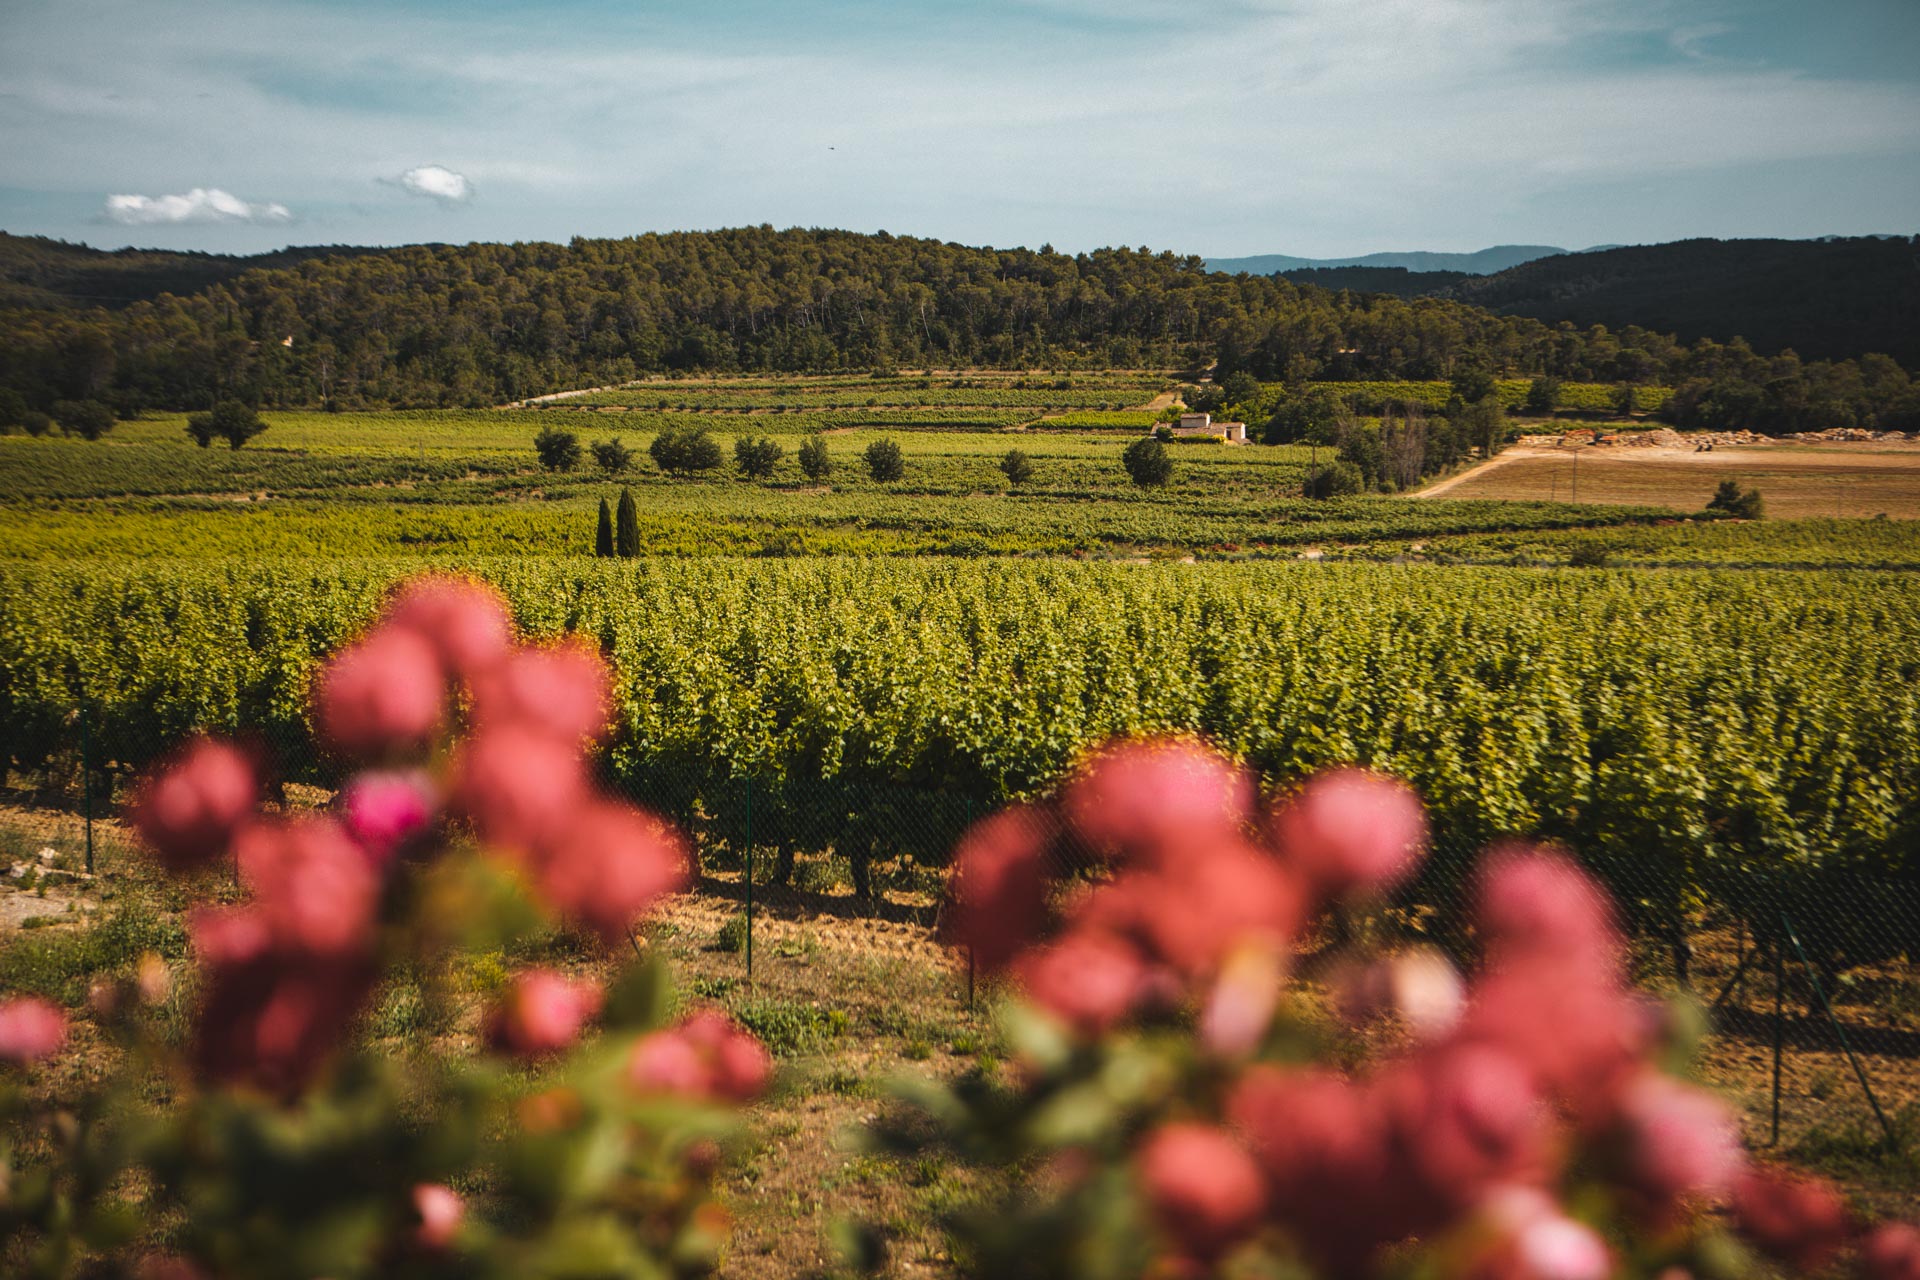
1798, 481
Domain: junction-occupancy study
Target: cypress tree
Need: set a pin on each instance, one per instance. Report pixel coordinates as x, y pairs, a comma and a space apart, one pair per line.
603, 536
627, 541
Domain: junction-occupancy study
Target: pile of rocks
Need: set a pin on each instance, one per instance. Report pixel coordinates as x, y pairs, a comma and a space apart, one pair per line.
1853, 433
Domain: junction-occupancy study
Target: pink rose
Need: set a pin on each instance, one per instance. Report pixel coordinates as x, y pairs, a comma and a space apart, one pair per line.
1349, 831
1801, 1221
667, 1062
541, 1014
1089, 980
564, 690
998, 902
1891, 1252
30, 1029
1578, 1036
188, 811
1465, 1119
382, 697
271, 1013
1532, 1239
385, 811
607, 865
1202, 1187
1680, 1143
519, 787
1536, 906
1149, 799
311, 882
465, 621
440, 1210
1191, 911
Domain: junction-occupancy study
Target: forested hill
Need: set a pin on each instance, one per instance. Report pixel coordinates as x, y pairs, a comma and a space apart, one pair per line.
38, 272
487, 323
1825, 299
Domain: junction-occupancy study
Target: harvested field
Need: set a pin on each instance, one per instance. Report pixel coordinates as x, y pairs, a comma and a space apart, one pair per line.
1798, 481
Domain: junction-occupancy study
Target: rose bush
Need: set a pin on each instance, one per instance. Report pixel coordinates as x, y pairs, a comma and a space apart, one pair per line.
266, 1137
1174, 1108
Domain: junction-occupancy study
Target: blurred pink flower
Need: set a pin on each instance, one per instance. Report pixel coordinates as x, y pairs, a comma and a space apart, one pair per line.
1088, 979
1203, 1188
1466, 1119
708, 1055
382, 697
1349, 831
440, 1210
519, 787
667, 1062
563, 690
1532, 1239
1891, 1252
1578, 1035
384, 811
1240, 1006
607, 864
998, 898
188, 811
310, 882
30, 1029
465, 620
541, 1013
1150, 799
1420, 987
1536, 906
271, 1012
1680, 1143
1800, 1220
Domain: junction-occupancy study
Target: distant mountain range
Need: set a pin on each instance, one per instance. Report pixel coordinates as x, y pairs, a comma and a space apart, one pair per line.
1483, 263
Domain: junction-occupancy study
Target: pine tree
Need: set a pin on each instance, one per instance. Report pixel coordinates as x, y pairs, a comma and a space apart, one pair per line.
603, 536
627, 541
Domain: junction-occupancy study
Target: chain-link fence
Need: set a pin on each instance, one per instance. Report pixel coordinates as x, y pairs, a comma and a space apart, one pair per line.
1813, 997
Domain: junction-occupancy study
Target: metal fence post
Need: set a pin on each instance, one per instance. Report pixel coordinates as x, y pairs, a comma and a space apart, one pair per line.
86, 779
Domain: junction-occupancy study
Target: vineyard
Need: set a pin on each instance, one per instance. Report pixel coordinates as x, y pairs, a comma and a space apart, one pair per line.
1709, 743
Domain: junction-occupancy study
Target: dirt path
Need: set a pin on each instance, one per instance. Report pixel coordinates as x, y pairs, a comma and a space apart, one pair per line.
1435, 491
1162, 401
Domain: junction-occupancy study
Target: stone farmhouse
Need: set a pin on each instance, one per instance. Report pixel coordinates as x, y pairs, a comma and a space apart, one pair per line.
1202, 424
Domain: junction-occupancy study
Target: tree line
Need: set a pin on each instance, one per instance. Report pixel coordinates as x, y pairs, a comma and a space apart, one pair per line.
448, 326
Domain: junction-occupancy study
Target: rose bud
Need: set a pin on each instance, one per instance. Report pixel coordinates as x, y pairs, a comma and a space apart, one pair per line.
1087, 979
541, 1014
189, 811
384, 696
384, 811
30, 1029
564, 690
1891, 1251
466, 622
998, 902
1148, 800
1203, 1188
440, 1210
1349, 831
1801, 1221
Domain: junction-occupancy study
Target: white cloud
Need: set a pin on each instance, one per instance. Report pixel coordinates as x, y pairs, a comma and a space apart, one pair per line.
202, 204
438, 183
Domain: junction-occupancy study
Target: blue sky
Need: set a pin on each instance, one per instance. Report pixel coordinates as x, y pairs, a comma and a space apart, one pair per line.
1314, 127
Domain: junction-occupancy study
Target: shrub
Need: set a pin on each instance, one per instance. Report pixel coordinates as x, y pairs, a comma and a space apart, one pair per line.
1016, 467
558, 450
757, 458
682, 451
1147, 462
1337, 479
35, 423
813, 458
612, 457
229, 420
88, 419
1741, 504
1543, 395
884, 460
1589, 555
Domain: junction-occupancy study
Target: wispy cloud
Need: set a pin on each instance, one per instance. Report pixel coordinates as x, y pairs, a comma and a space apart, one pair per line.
202, 204
438, 183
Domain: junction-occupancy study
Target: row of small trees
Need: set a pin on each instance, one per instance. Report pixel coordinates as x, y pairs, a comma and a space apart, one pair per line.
229, 420
691, 450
